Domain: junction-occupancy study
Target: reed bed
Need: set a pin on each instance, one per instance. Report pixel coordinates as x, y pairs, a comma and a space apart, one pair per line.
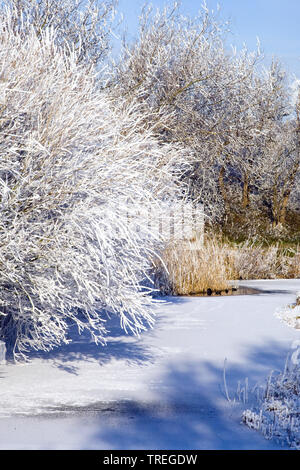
192, 267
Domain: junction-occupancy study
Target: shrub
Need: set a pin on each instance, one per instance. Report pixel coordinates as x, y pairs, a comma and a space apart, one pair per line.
70, 161
277, 414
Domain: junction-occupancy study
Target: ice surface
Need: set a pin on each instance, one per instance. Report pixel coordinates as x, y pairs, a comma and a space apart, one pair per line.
163, 390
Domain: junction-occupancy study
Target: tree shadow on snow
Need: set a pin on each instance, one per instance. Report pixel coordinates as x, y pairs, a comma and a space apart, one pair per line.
196, 408
119, 345
195, 403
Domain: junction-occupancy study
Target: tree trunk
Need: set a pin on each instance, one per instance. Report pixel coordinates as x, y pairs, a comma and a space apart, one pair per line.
275, 204
222, 185
286, 195
245, 198
282, 212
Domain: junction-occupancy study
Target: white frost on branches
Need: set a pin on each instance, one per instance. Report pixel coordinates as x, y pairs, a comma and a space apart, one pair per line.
70, 159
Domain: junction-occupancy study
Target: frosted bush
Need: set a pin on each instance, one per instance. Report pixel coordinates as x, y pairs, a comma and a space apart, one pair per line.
250, 260
277, 415
253, 262
70, 160
86, 25
290, 315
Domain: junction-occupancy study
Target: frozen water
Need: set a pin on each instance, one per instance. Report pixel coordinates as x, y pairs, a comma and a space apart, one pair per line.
167, 389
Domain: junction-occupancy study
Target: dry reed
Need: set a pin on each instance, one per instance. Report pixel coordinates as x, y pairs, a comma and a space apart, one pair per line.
192, 267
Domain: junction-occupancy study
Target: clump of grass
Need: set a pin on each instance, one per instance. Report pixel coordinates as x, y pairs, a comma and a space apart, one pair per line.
277, 412
291, 313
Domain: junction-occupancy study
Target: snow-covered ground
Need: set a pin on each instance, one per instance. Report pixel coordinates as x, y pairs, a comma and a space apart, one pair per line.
175, 387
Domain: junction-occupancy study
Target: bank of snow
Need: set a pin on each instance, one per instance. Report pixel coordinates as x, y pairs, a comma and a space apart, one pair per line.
290, 313
167, 389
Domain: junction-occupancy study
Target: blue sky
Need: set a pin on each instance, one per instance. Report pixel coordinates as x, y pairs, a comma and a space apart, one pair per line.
275, 22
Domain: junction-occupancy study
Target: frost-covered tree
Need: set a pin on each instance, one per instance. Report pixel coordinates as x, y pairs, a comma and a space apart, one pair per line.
215, 101
271, 166
73, 164
85, 25
180, 67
